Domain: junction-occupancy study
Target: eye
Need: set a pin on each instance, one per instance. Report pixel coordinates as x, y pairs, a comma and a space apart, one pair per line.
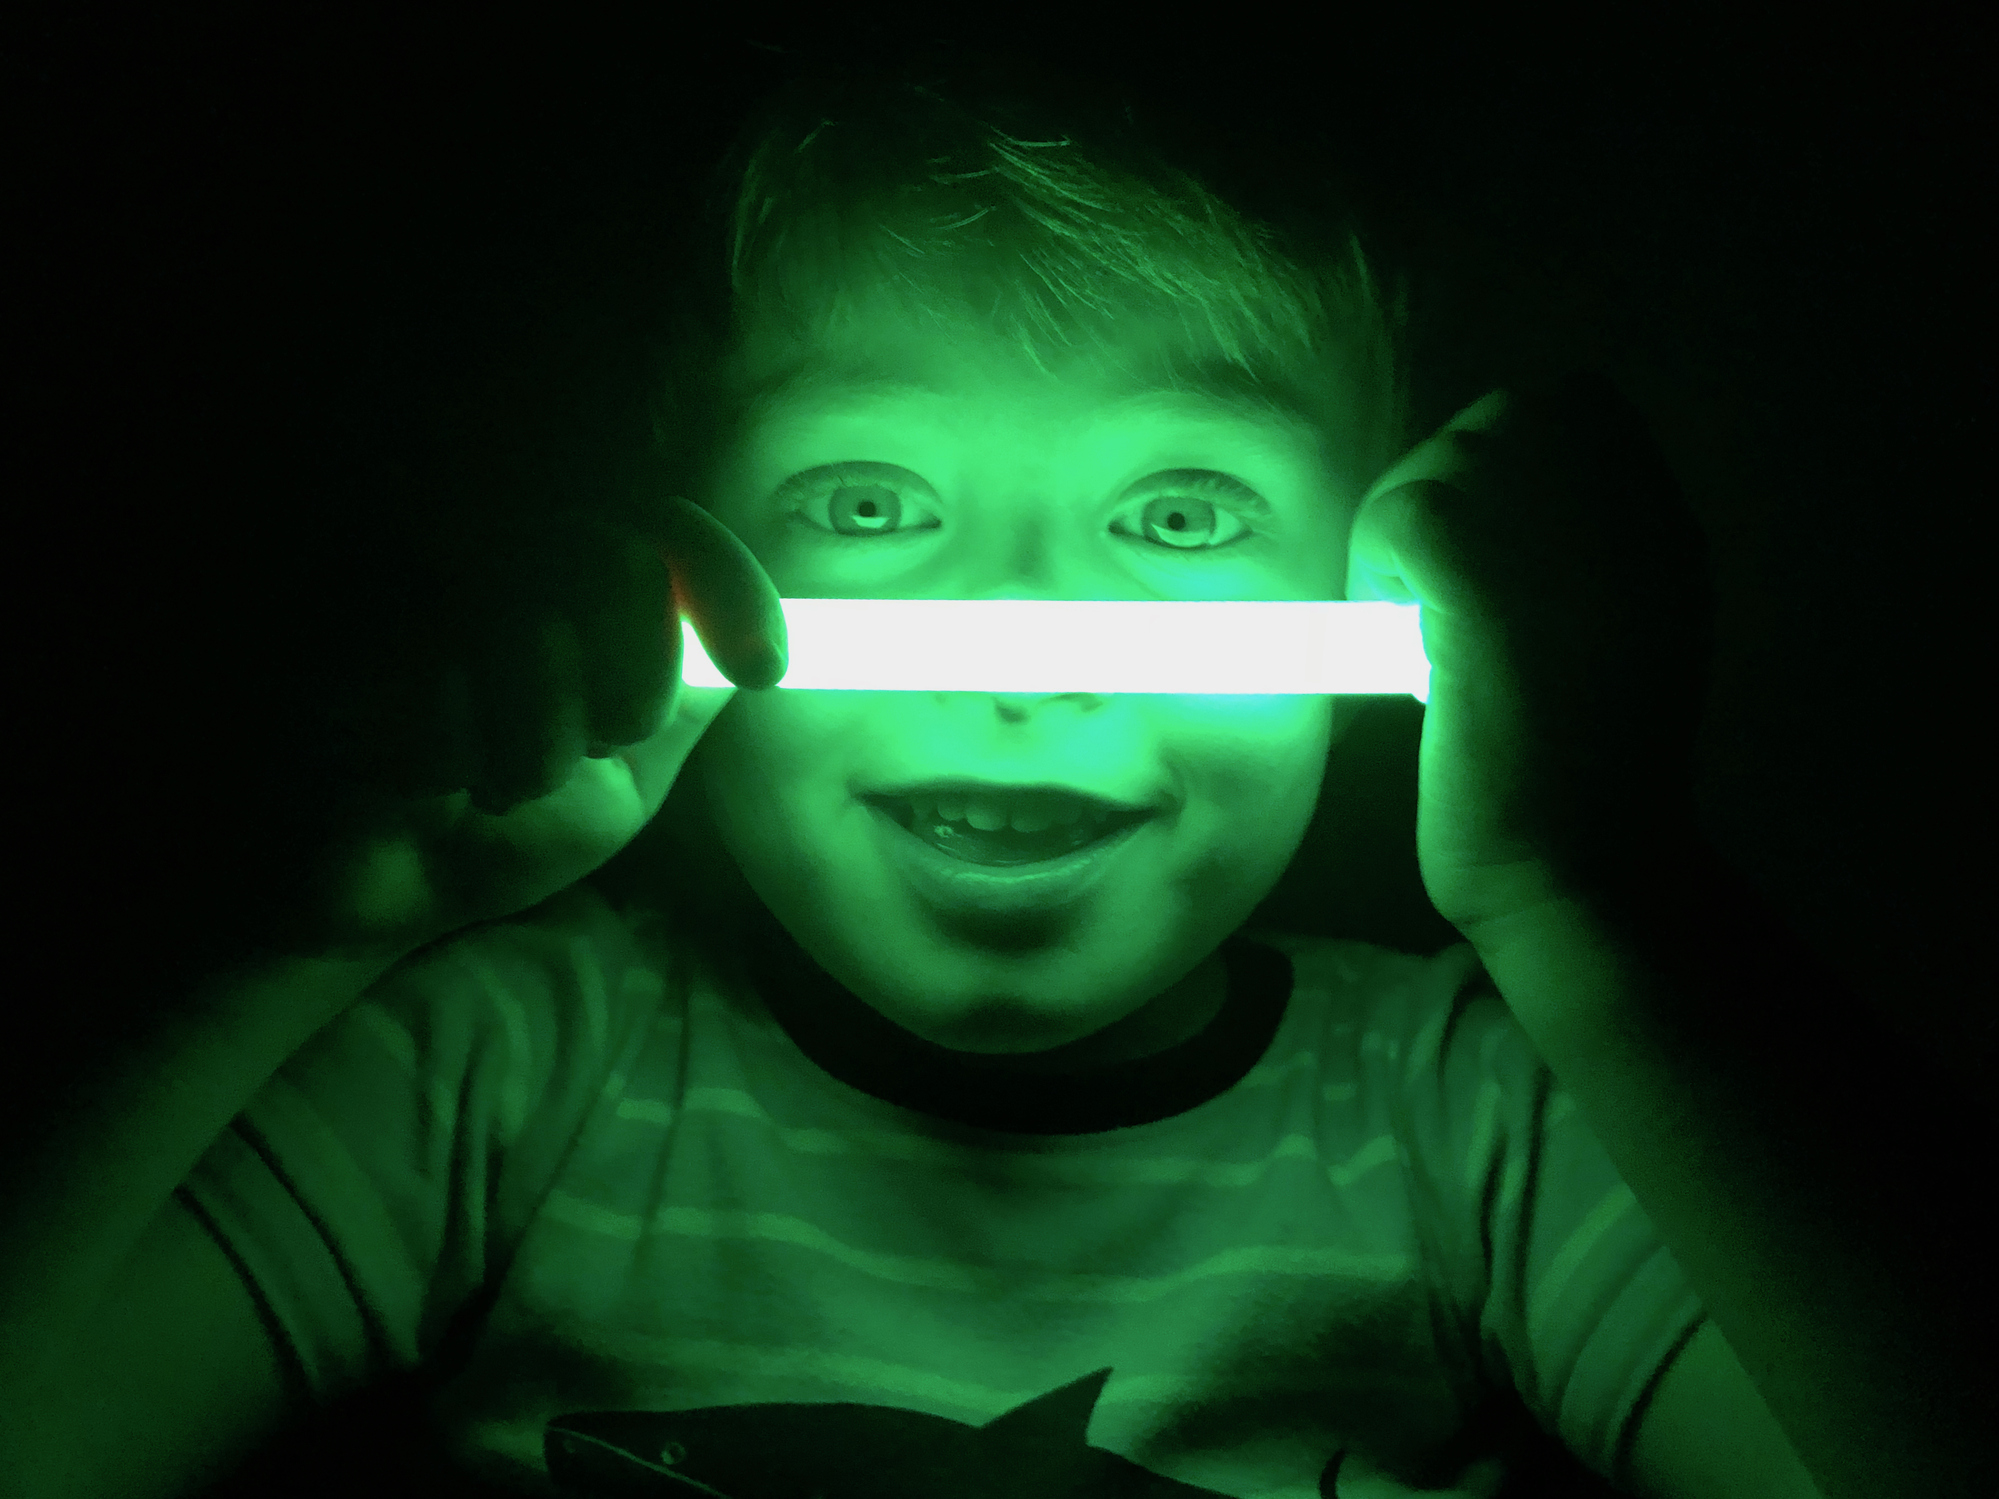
858, 499
1187, 517
1192, 511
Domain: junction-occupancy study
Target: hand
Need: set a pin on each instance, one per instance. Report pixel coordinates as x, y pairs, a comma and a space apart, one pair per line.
510, 786
1566, 611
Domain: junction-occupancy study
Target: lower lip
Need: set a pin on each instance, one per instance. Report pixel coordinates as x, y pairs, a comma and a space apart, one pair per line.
999, 890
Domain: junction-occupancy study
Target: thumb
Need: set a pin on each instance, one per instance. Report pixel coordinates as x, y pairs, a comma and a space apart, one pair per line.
720, 586
1414, 545
656, 761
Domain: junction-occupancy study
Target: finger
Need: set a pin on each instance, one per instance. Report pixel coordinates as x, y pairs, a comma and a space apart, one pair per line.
440, 749
1483, 415
1374, 566
1408, 547
630, 658
413, 737
719, 585
530, 713
1441, 456
657, 761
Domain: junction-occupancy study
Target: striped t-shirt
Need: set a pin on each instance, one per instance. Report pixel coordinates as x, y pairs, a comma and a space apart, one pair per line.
698, 1221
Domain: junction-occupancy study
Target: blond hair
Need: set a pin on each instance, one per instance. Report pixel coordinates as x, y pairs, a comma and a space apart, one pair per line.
1044, 218
1051, 223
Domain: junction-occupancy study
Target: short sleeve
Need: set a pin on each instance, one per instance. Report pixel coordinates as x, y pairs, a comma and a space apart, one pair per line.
382, 1177
1549, 1262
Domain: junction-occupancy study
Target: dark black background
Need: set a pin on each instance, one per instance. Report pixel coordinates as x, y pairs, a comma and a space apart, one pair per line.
262, 260
258, 261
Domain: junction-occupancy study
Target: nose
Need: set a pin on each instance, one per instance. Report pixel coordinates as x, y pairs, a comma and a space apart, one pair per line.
1027, 550
1025, 570
1014, 707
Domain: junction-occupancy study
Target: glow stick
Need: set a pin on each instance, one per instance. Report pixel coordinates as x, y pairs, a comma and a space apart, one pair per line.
1084, 645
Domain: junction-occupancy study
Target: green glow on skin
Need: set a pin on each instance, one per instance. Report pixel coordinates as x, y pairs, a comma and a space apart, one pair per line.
911, 479
1096, 646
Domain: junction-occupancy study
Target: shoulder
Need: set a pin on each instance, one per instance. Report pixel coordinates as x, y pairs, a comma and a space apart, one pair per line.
1421, 1023
1392, 989
576, 958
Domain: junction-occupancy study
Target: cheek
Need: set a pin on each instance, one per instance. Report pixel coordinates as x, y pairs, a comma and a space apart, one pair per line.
775, 772
1246, 749
774, 763
1260, 769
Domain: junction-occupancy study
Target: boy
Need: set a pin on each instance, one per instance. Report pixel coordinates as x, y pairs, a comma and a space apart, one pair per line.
886, 1170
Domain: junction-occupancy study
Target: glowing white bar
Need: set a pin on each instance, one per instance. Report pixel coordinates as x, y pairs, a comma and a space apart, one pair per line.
1072, 645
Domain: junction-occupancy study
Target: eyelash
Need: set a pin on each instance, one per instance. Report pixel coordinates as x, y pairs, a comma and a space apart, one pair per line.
821, 485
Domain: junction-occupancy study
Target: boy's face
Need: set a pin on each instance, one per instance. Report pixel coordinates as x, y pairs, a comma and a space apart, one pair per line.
1002, 482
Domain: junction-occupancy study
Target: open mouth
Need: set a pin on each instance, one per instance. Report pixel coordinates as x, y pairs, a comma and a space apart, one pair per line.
1006, 845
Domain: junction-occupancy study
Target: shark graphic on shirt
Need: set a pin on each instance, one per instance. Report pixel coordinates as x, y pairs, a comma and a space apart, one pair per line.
851, 1451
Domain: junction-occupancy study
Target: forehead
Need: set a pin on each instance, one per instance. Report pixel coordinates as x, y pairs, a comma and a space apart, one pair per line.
1148, 383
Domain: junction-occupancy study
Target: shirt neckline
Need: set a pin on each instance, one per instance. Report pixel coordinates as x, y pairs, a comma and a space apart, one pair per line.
855, 1043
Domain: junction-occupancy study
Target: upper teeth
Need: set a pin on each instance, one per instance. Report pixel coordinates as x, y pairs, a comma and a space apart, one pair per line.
1029, 812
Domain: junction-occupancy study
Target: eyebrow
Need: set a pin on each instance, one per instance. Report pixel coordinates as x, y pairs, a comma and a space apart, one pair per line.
1214, 382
